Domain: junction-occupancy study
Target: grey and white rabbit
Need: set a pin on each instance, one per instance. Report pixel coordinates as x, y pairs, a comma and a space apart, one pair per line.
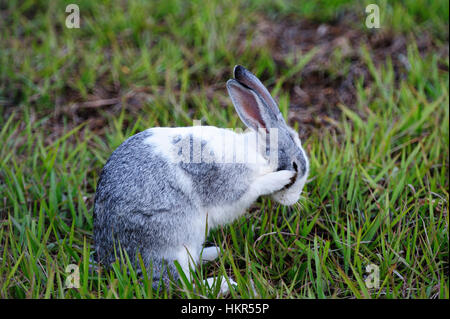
155, 197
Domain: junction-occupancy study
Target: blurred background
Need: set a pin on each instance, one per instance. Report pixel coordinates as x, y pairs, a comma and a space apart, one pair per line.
370, 104
170, 59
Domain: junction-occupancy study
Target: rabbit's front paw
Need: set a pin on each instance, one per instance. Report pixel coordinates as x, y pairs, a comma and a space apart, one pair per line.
280, 179
273, 182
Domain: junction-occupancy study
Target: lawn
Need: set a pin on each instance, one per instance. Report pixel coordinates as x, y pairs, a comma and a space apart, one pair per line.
370, 105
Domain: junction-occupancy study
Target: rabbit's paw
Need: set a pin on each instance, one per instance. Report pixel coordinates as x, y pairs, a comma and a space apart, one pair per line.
210, 253
224, 287
273, 182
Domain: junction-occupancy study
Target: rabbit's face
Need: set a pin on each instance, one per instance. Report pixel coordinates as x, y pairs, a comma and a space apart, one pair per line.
292, 157
257, 109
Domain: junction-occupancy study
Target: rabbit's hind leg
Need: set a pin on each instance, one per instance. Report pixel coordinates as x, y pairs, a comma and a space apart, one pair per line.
163, 272
210, 254
225, 287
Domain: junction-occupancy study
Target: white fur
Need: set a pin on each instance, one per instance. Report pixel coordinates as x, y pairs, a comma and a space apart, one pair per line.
210, 253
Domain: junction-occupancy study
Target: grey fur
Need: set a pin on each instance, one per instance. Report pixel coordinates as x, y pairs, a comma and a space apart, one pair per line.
210, 179
289, 153
134, 206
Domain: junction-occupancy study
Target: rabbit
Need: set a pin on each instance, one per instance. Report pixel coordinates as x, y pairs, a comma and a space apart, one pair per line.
163, 189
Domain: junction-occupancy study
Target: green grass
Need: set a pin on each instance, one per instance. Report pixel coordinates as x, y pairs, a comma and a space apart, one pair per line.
378, 187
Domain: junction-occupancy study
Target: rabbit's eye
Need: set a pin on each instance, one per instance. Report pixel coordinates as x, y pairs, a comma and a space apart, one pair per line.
294, 164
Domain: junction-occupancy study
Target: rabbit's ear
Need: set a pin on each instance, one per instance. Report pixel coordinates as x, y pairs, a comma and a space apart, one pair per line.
247, 78
248, 105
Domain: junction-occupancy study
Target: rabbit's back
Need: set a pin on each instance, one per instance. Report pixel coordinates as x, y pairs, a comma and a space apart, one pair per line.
136, 178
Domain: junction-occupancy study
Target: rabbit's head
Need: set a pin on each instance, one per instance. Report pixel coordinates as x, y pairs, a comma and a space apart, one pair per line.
259, 111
